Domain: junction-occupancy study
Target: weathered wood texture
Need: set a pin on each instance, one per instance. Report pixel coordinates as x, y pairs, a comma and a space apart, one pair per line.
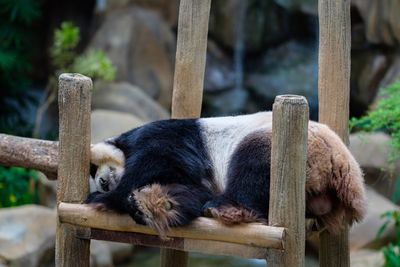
177, 243
188, 80
253, 234
190, 58
334, 93
29, 153
73, 169
288, 176
334, 65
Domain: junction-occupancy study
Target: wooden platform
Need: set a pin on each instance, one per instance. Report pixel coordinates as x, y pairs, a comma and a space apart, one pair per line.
203, 235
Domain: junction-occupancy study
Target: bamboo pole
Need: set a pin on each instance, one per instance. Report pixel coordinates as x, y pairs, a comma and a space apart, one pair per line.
188, 80
288, 177
334, 94
29, 153
74, 159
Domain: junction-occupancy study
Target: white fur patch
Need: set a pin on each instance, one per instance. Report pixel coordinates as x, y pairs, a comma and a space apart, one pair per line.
223, 134
107, 154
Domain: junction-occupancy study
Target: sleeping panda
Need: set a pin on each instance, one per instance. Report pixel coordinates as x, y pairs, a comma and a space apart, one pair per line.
167, 173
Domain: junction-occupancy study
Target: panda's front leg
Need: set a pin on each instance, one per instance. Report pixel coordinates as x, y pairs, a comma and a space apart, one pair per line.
164, 206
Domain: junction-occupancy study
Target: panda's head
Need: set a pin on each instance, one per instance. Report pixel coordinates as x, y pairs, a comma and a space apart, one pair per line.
107, 167
106, 177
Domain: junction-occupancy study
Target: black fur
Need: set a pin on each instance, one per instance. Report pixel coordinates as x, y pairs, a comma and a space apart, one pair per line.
191, 200
164, 152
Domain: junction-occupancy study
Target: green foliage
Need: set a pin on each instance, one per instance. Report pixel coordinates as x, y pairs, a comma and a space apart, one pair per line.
93, 63
66, 38
16, 35
391, 252
17, 186
385, 116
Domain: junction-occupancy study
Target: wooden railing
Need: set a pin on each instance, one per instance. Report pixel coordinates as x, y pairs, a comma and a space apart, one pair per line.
282, 243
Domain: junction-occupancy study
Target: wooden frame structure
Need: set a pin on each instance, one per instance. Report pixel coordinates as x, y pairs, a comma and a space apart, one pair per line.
282, 244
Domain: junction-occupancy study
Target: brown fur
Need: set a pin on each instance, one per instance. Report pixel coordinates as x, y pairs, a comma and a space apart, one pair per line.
231, 215
335, 177
157, 207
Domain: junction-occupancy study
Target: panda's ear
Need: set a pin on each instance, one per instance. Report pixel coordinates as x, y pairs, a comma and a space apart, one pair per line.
106, 154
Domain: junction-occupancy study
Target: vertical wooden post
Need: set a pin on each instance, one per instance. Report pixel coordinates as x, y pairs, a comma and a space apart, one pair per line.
188, 81
334, 94
288, 178
190, 58
74, 160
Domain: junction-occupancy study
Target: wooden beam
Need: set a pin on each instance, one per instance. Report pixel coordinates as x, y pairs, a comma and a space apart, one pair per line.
253, 234
29, 153
190, 58
190, 66
177, 243
334, 95
74, 160
288, 177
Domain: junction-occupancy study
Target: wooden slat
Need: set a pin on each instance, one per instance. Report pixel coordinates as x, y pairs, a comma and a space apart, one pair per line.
288, 177
73, 169
254, 234
177, 243
188, 80
190, 58
334, 94
29, 153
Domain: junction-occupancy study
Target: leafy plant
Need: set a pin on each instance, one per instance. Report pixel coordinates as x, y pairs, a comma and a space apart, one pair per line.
16, 35
17, 186
93, 63
385, 116
391, 252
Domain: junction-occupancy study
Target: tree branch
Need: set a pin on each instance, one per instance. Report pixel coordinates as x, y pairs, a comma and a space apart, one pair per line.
29, 153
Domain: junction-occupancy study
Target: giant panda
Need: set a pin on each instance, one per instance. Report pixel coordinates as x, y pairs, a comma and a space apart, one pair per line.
167, 173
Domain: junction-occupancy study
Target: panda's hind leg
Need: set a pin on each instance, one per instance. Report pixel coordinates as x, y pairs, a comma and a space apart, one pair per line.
246, 196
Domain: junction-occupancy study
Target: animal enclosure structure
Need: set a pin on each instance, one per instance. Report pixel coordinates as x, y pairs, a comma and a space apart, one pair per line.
282, 243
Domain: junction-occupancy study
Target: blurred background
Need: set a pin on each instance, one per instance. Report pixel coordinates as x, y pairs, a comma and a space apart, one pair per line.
257, 49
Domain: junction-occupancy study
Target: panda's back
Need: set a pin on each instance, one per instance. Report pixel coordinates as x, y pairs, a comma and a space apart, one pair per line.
222, 135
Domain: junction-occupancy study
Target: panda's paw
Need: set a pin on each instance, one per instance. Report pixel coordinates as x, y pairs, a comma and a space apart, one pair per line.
211, 206
230, 215
155, 208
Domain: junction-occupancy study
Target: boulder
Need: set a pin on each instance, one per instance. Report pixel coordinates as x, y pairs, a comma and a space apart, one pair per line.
382, 20
364, 234
292, 68
219, 74
27, 235
127, 98
393, 73
169, 9
371, 151
368, 69
109, 123
108, 254
100, 254
142, 47
225, 103
305, 6
366, 258
264, 19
